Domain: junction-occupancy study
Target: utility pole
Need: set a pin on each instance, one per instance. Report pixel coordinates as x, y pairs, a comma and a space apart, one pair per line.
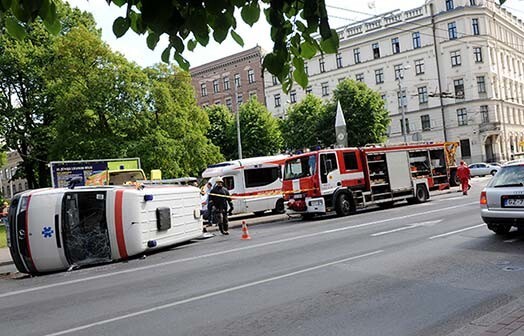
402, 107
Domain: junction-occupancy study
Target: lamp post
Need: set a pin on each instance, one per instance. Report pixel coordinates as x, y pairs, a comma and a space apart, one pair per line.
239, 140
402, 107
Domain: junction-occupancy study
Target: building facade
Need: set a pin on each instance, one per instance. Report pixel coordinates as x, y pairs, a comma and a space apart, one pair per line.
453, 68
9, 185
230, 80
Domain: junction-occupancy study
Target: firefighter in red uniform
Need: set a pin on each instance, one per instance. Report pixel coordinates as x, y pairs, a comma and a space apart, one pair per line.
464, 175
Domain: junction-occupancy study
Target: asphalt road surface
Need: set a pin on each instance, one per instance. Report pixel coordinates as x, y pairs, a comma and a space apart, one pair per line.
425, 269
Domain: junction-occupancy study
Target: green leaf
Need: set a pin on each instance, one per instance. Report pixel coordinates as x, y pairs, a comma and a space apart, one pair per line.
165, 54
119, 3
307, 50
191, 45
152, 40
273, 63
300, 26
251, 13
184, 64
5, 4
120, 26
300, 77
44, 10
220, 28
177, 43
330, 45
237, 38
53, 27
15, 29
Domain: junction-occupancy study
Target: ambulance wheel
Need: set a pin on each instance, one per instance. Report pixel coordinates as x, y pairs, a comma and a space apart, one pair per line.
279, 207
343, 205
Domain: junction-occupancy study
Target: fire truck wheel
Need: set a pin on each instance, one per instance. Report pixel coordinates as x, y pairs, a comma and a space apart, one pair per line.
421, 195
343, 205
279, 207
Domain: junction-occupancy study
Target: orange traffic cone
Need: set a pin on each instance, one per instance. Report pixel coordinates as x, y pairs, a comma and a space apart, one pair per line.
245, 234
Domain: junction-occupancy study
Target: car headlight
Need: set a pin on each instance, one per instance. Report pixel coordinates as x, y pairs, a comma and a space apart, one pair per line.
315, 203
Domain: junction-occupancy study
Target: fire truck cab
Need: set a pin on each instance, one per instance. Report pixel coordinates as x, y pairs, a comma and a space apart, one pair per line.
346, 179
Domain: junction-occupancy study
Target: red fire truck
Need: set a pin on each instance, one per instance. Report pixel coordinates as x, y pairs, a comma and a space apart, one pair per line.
346, 179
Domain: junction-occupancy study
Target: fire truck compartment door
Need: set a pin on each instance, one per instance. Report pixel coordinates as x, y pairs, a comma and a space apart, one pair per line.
398, 170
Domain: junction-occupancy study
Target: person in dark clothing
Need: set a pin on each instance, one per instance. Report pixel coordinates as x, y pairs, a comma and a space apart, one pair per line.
219, 200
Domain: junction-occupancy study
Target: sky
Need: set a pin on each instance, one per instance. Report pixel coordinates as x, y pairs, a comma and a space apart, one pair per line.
134, 47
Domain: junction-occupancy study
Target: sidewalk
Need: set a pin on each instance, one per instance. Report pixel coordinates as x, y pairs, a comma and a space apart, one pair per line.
5, 256
512, 324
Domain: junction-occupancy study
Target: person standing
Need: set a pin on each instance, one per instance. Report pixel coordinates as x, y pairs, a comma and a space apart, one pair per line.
219, 199
463, 174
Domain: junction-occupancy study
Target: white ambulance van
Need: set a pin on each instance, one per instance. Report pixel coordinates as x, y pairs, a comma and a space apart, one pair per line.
56, 228
255, 184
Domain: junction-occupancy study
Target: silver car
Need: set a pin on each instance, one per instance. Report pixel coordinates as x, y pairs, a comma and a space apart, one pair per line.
482, 169
502, 201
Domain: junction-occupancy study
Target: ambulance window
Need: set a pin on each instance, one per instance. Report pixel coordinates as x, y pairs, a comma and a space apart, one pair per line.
261, 176
350, 161
229, 182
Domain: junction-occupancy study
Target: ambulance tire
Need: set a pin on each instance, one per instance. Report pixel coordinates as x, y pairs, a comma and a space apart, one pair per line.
421, 195
279, 207
344, 205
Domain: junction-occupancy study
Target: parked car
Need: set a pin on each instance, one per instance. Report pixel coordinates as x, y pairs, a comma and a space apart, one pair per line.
502, 201
482, 169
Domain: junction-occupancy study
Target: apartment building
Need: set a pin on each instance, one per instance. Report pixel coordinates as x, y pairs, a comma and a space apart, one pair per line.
9, 185
453, 68
230, 80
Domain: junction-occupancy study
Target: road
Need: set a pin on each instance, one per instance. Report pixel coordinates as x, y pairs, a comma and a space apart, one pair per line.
425, 269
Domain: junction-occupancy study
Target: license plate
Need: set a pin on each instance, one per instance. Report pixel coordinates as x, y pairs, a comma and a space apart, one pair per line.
513, 202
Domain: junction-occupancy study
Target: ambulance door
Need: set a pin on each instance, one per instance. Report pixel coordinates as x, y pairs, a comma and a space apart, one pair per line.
84, 225
329, 173
263, 187
235, 185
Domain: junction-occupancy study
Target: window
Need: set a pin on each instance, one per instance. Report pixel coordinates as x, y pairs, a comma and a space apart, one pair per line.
240, 99
376, 50
398, 71
322, 64
203, 89
416, 40
218, 102
325, 89
422, 95
356, 55
449, 5
359, 77
328, 163
379, 76
459, 88
309, 89
229, 182
226, 83
252, 94
452, 30
455, 58
484, 115
261, 176
475, 25
462, 117
293, 96
465, 149
406, 125
395, 45
477, 53
215, 86
277, 99
402, 101
275, 80
306, 68
229, 103
237, 80
481, 84
419, 67
472, 2
426, 123
339, 61
251, 76
350, 161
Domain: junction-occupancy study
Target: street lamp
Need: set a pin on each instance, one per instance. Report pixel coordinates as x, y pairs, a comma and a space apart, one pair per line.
402, 107
239, 140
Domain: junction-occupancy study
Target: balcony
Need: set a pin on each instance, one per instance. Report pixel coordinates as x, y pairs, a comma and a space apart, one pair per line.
489, 127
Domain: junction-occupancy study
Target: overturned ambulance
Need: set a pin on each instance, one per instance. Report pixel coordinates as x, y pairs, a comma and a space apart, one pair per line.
56, 228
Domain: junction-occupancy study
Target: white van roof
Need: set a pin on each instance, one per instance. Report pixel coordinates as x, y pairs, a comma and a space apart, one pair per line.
222, 167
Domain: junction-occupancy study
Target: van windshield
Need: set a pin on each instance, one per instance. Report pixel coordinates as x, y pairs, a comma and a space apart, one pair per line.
300, 167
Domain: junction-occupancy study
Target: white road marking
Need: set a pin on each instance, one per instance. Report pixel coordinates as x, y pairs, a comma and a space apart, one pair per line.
411, 226
511, 240
214, 254
211, 294
457, 231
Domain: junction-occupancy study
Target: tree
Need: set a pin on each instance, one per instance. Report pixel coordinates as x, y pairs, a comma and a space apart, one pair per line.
300, 129
366, 117
222, 125
259, 131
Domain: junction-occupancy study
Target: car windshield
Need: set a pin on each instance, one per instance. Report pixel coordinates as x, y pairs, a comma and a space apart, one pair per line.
510, 176
300, 167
